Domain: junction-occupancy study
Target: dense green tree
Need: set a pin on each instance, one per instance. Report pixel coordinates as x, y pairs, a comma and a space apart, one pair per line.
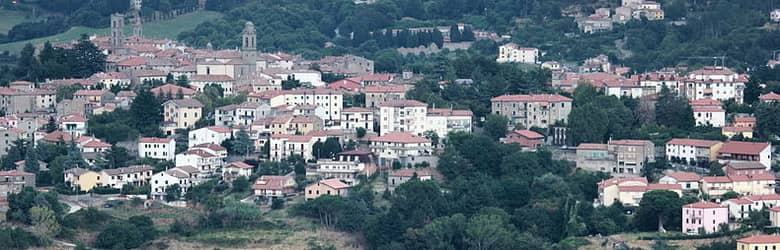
146, 113
44, 221
240, 184
173, 193
495, 126
28, 68
242, 144
716, 169
16, 152
31, 160
290, 83
51, 126
327, 149
659, 209
183, 81
673, 111
85, 58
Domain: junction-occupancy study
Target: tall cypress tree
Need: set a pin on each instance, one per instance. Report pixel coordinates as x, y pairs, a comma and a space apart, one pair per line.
455, 35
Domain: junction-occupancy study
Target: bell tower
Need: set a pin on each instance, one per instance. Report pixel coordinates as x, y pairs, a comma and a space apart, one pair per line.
117, 29
248, 36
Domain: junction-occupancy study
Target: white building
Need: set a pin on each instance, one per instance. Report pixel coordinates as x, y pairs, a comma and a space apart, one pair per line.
444, 121
692, 150
199, 82
708, 112
688, 181
775, 15
717, 83
236, 169
284, 146
353, 118
513, 53
213, 134
184, 176
400, 146
75, 125
206, 162
402, 116
133, 175
330, 99
242, 114
157, 148
347, 166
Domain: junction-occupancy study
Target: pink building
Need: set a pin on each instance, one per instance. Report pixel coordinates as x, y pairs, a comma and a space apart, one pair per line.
703, 215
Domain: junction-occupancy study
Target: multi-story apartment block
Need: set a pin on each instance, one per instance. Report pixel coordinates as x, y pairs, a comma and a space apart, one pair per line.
181, 114
513, 53
157, 148
212, 135
348, 166
184, 176
704, 217
618, 157
15, 101
708, 112
532, 110
629, 191
444, 121
133, 175
330, 100
353, 118
402, 116
285, 145
242, 114
376, 94
717, 83
747, 151
692, 151
403, 147
14, 181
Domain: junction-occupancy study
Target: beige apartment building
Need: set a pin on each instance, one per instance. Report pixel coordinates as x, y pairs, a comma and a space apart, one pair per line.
532, 110
621, 158
181, 113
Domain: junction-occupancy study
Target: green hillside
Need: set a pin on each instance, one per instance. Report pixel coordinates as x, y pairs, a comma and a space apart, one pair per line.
9, 18
162, 29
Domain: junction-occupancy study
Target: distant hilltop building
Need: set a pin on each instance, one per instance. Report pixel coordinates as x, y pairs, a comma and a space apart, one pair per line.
775, 15
513, 53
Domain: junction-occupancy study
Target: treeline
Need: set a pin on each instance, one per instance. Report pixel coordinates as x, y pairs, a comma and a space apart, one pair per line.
88, 13
80, 61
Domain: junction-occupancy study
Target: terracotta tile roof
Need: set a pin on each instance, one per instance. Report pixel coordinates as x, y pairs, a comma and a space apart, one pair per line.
173, 89
74, 118
128, 170
741, 165
97, 144
334, 183
132, 62
745, 119
401, 137
654, 186
15, 173
706, 102
402, 104
761, 239
409, 172
708, 109
734, 129
775, 209
185, 103
709, 70
685, 176
630, 142
449, 112
240, 164
345, 84
126, 93
716, 179
199, 152
618, 181
703, 205
693, 142
531, 98
740, 201
211, 78
385, 89
374, 78
356, 110
154, 140
219, 129
211, 146
148, 73
738, 147
762, 177
76, 171
592, 146
272, 182
57, 136
766, 197
84, 92
529, 134
771, 96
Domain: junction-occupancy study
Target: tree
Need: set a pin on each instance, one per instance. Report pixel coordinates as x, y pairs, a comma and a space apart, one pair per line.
659, 209
455, 35
31, 164
146, 113
490, 229
16, 152
242, 144
182, 81
290, 83
468, 34
51, 126
128, 234
117, 157
28, 67
587, 123
240, 184
673, 111
431, 135
716, 169
729, 195
361, 132
44, 221
85, 58
74, 158
327, 149
495, 126
173, 193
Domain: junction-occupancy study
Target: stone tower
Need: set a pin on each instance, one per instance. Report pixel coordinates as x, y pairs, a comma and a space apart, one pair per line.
248, 37
201, 4
135, 9
117, 29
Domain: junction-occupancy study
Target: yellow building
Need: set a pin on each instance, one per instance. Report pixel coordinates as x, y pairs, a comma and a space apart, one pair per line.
181, 113
84, 179
731, 131
327, 187
759, 242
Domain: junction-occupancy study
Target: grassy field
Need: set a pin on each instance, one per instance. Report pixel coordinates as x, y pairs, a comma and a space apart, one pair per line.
9, 18
162, 29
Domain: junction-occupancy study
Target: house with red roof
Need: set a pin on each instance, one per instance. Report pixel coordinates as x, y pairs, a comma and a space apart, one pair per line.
446, 121
236, 169
374, 79
286, 145
688, 180
629, 191
756, 184
718, 83
376, 94
747, 151
774, 217
199, 82
769, 97
74, 124
345, 85
333, 187
157, 148
348, 166
402, 116
703, 217
404, 148
692, 151
534, 110
527, 139
708, 112
173, 91
184, 176
205, 161
759, 242
273, 186
401, 176
181, 114
213, 134
739, 208
94, 96
745, 168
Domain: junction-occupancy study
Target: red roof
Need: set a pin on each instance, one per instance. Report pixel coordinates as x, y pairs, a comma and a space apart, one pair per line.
740, 201
618, 181
211, 78
334, 183
402, 104
401, 137
703, 205
154, 140
761, 239
219, 129
173, 89
771, 96
385, 89
708, 109
211, 146
240, 164
684, 176
716, 179
592, 146
654, 186
57, 136
630, 142
409, 172
132, 62
736, 129
531, 98
766, 197
693, 142
345, 84
746, 148
272, 182
706, 102
84, 92
775, 209
97, 144
745, 119
15, 173
449, 112
529, 134
374, 78
356, 110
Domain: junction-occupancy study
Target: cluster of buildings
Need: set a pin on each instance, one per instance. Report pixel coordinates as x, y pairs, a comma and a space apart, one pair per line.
604, 18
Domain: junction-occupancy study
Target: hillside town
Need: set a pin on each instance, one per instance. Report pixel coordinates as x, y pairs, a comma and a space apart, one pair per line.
552, 151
